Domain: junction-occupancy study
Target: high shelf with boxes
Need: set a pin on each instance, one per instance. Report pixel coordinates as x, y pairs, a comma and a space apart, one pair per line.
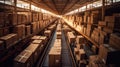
98, 32
17, 25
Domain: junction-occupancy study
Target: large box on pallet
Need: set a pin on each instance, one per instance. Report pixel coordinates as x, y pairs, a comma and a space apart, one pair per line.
27, 30
36, 37
24, 59
114, 41
2, 45
34, 48
59, 35
54, 58
108, 54
47, 33
9, 40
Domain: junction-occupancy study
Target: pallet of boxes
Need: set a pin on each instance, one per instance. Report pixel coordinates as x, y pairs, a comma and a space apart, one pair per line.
79, 52
29, 55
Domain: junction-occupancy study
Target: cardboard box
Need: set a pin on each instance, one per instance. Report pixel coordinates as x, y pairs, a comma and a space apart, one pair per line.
76, 51
20, 31
114, 41
77, 58
80, 39
37, 42
59, 35
108, 54
28, 30
24, 59
36, 37
82, 54
44, 39
54, 58
71, 37
47, 33
34, 48
34, 27
9, 40
102, 23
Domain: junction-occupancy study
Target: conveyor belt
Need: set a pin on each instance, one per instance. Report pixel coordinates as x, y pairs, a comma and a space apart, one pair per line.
66, 60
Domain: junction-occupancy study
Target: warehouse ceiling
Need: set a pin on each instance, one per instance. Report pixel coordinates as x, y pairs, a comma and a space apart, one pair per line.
60, 6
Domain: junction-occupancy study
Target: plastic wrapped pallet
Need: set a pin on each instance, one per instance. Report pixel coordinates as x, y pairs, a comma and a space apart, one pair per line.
9, 40
24, 59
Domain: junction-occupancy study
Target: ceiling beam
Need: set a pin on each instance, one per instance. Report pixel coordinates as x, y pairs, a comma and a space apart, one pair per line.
65, 5
72, 5
55, 5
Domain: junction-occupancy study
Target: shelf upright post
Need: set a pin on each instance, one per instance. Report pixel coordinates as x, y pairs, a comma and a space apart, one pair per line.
103, 10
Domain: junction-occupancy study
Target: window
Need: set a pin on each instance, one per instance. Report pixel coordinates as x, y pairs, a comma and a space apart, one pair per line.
10, 2
22, 4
